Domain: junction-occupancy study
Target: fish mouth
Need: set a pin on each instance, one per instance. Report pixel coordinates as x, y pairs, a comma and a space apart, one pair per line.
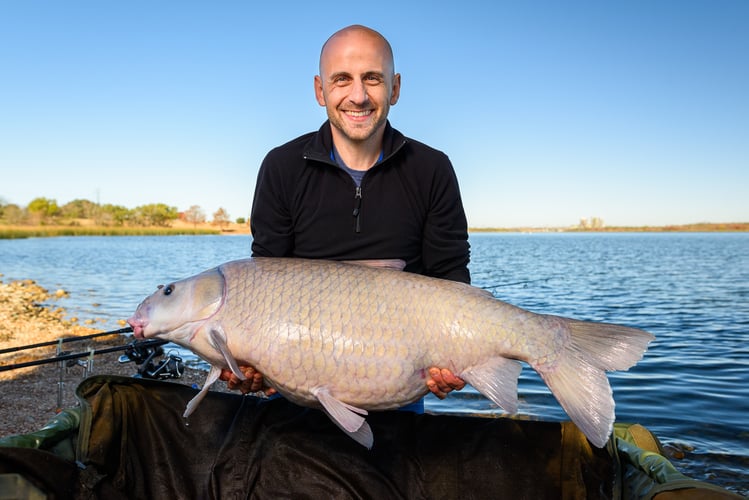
138, 326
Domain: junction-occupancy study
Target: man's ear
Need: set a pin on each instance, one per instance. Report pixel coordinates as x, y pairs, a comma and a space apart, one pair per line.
396, 93
318, 91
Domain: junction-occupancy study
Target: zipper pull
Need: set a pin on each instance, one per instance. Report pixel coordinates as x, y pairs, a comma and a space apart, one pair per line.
357, 209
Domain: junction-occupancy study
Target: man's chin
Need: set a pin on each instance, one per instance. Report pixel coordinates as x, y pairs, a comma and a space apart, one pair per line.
356, 132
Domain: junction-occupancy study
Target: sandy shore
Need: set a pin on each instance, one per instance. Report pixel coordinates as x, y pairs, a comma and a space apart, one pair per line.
29, 396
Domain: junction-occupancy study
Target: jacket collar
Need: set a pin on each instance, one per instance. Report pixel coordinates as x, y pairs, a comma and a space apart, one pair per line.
320, 145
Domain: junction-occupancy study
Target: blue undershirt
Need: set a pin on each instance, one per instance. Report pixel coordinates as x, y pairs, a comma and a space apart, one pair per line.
357, 175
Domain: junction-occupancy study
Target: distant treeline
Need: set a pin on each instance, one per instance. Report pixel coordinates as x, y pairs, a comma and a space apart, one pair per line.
46, 212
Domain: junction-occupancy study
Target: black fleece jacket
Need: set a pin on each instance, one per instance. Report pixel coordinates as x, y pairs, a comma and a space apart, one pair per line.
408, 207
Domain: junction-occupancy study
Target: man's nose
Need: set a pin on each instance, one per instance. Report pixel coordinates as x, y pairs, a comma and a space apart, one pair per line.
358, 93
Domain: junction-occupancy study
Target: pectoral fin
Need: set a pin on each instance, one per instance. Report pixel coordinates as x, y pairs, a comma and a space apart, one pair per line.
497, 379
218, 338
194, 402
348, 418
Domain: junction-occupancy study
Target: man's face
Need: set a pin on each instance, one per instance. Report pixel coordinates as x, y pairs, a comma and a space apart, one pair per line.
357, 85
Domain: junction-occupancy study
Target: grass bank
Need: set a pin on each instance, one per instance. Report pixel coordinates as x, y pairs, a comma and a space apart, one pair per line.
18, 232
701, 227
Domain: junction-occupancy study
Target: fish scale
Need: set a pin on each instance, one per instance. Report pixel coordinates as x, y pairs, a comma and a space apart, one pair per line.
348, 338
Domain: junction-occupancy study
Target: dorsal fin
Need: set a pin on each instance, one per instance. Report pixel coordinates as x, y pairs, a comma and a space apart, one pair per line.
396, 264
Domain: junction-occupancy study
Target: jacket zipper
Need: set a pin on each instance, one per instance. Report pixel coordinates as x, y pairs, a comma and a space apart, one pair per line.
358, 193
357, 209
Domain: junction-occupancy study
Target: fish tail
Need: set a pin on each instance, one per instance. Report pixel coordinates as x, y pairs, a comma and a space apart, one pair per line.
577, 378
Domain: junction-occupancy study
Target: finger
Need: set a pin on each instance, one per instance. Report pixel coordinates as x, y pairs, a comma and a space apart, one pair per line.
233, 382
256, 381
225, 375
455, 383
435, 389
439, 380
436, 377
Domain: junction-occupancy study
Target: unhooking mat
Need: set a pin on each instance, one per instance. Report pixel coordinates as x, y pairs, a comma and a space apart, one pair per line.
132, 442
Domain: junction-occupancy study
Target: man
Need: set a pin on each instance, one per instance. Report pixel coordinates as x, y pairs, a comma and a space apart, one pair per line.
357, 189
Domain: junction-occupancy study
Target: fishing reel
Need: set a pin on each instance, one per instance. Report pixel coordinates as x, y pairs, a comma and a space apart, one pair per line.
170, 366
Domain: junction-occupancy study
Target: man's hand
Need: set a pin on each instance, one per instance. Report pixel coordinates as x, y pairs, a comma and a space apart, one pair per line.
253, 383
443, 381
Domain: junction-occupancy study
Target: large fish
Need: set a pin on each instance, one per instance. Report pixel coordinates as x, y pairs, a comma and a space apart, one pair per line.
349, 338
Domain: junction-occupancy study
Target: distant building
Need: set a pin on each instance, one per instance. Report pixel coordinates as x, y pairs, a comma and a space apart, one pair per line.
591, 223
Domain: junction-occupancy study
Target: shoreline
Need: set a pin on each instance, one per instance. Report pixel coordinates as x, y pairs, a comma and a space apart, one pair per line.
83, 228
87, 227
701, 227
30, 395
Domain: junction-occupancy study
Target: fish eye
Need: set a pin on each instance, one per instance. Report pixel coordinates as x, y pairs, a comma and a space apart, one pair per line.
168, 289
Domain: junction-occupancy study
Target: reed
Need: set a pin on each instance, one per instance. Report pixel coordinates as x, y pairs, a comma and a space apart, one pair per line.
18, 232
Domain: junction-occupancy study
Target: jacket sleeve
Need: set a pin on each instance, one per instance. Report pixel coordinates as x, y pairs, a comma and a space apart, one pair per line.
270, 219
445, 248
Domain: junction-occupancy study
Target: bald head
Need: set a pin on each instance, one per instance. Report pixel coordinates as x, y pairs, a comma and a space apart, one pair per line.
351, 36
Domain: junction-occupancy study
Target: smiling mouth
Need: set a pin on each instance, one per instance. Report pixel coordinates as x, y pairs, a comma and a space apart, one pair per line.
359, 114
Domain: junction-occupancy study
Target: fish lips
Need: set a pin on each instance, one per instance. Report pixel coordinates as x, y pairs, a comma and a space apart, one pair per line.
138, 327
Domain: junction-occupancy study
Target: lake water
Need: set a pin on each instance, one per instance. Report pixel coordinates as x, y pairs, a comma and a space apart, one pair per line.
690, 290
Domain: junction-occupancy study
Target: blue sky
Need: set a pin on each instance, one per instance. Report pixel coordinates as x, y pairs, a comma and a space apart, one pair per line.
635, 112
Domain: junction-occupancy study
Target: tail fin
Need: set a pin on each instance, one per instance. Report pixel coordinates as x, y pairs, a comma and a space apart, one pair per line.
578, 379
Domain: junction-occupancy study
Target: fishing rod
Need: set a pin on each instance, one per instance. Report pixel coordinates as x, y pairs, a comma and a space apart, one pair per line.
65, 357
525, 282
64, 340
